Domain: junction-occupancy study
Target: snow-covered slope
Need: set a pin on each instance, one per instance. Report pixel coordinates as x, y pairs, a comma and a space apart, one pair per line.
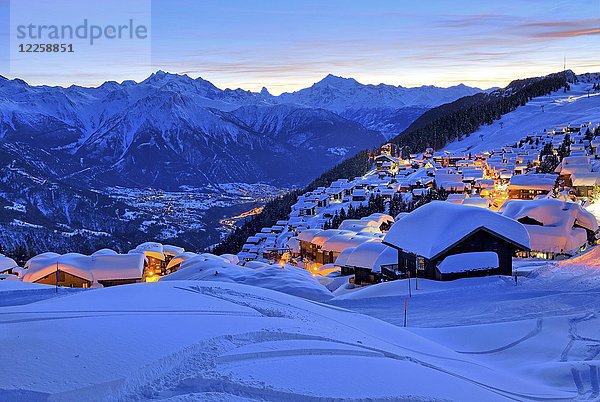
194, 340
542, 329
559, 109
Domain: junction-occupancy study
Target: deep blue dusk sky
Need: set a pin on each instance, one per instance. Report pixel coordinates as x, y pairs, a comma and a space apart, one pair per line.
286, 45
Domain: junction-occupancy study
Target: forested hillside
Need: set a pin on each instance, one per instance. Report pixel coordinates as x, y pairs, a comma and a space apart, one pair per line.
446, 123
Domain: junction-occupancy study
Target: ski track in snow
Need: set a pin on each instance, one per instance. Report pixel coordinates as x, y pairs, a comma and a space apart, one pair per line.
240, 363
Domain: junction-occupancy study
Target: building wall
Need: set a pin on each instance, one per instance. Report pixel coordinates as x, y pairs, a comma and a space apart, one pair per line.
525, 194
64, 279
584, 191
116, 282
364, 276
326, 257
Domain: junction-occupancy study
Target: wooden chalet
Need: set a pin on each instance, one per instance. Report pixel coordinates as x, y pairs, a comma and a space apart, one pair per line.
435, 231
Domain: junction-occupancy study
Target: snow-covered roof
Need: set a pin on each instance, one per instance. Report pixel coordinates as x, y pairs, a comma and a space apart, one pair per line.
342, 259
172, 250
105, 251
585, 179
256, 264
557, 232
575, 168
434, 227
389, 256
468, 262
178, 259
535, 181
354, 223
6, 263
118, 266
294, 244
450, 185
420, 191
367, 229
150, 249
253, 240
42, 255
290, 279
92, 268
456, 198
484, 183
447, 177
232, 258
320, 238
481, 202
339, 243
308, 234
379, 217
365, 254
472, 173
575, 160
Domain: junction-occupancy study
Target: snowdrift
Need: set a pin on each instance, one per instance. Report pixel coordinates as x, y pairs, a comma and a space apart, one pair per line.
290, 279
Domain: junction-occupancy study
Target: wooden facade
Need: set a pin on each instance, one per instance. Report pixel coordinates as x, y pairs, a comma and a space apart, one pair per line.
481, 239
364, 276
116, 282
584, 191
65, 279
525, 194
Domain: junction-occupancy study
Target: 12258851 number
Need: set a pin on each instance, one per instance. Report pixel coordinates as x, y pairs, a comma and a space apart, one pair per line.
45, 48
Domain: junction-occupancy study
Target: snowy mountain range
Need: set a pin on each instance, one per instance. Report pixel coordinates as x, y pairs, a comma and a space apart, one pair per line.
171, 130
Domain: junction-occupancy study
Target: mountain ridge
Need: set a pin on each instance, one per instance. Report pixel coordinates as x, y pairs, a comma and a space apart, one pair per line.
175, 120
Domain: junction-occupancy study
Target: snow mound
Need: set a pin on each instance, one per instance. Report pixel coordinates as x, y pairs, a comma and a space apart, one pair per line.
10, 285
290, 279
591, 258
560, 225
469, 262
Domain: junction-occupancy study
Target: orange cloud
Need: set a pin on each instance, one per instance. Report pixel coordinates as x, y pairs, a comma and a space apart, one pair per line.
567, 34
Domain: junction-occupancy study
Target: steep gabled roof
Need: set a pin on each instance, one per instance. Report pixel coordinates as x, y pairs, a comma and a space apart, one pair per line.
433, 228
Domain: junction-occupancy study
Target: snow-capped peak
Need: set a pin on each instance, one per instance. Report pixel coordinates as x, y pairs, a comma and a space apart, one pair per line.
161, 77
336, 81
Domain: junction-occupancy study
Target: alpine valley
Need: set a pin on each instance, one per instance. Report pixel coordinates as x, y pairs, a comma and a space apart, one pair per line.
169, 157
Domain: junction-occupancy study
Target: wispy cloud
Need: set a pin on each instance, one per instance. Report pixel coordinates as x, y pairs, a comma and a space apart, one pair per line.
289, 45
567, 34
560, 28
